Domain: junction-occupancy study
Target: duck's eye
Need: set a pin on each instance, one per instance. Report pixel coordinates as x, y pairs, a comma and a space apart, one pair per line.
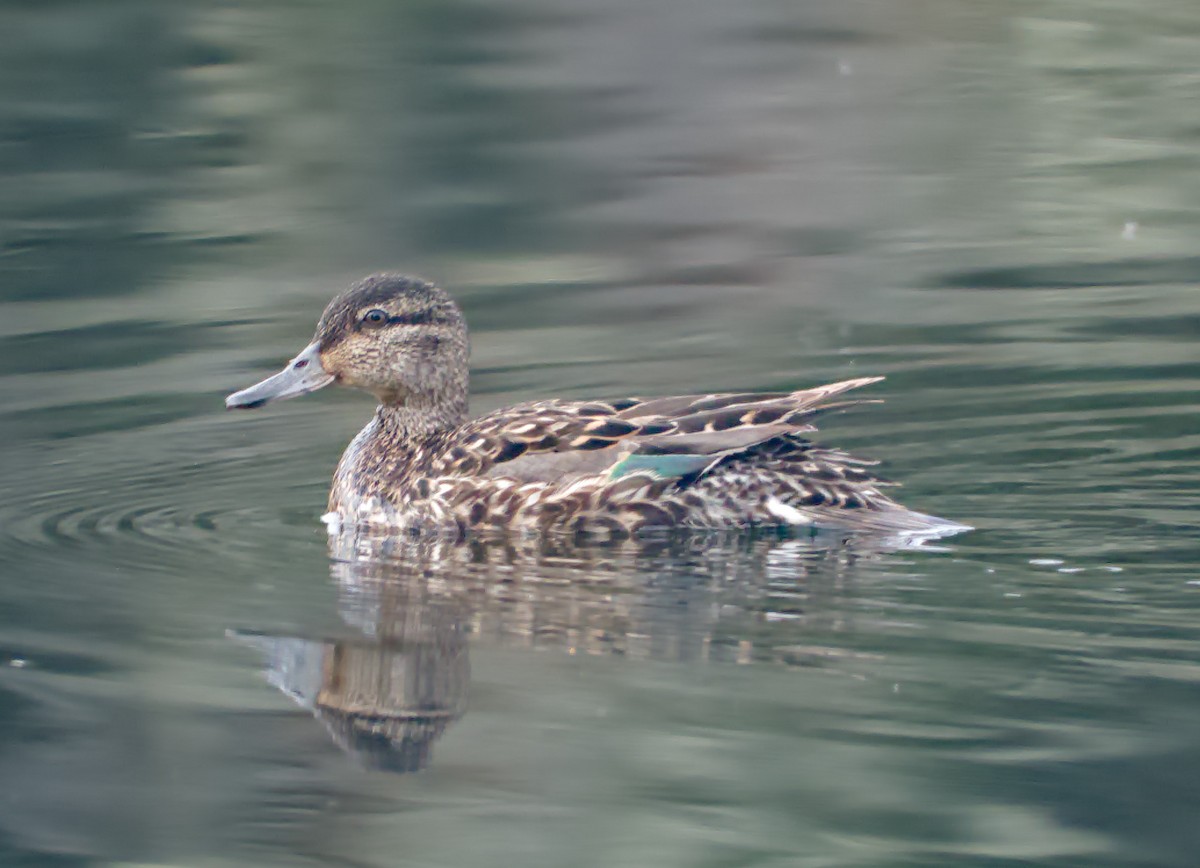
375, 317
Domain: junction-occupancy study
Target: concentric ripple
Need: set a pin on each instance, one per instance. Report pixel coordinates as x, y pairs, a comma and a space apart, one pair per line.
142, 498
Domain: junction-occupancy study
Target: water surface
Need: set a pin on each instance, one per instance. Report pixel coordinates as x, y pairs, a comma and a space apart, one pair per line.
993, 207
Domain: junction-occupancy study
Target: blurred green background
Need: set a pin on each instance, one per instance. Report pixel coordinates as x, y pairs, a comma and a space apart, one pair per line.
994, 204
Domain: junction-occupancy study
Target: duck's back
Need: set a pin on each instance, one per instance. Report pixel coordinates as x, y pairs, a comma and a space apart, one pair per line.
624, 467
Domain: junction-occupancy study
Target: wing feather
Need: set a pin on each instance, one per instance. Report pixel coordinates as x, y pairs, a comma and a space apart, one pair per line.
549, 440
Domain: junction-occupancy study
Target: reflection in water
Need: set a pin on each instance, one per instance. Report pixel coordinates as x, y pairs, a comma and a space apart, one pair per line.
387, 695
631, 197
385, 702
390, 691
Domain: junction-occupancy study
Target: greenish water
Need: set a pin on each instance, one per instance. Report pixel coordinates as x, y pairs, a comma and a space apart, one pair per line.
995, 205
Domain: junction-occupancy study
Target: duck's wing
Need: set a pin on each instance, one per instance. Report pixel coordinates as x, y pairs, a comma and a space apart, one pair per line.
723, 411
675, 437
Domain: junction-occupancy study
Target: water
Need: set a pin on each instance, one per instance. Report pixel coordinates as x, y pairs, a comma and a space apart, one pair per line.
992, 205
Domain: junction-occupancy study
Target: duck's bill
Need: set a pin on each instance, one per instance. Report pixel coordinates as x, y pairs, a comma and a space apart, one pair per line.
302, 375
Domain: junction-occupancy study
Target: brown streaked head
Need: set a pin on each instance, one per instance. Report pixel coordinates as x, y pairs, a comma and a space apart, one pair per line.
401, 338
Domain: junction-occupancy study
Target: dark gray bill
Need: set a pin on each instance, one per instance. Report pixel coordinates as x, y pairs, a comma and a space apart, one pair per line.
303, 374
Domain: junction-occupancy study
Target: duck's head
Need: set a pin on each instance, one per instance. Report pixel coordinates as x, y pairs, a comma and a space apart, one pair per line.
400, 338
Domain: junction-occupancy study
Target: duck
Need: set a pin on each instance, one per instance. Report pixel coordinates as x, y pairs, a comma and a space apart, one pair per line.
614, 468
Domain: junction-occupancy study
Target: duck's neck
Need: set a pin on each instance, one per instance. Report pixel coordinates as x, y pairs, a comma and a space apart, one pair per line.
416, 419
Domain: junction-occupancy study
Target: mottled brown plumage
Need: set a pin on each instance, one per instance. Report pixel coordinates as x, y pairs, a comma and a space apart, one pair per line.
609, 468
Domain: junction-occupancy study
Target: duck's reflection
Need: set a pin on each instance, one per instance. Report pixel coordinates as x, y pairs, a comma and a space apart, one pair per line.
384, 700
393, 688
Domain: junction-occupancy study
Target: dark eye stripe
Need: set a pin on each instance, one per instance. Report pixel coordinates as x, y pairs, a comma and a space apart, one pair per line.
422, 317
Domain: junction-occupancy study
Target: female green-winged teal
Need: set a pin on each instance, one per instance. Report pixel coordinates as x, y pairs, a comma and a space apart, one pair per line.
597, 467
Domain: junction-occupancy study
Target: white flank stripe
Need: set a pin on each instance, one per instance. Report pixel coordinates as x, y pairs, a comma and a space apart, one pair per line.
786, 513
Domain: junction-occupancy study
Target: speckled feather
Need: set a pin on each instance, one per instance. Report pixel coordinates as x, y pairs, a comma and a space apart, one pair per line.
548, 466
608, 468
